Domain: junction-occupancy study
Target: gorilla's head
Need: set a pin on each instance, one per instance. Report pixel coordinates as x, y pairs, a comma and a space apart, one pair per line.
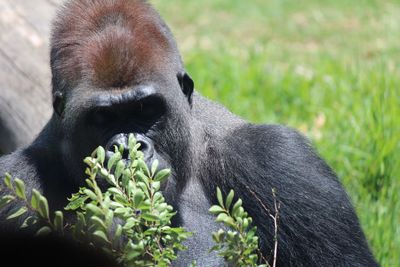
117, 70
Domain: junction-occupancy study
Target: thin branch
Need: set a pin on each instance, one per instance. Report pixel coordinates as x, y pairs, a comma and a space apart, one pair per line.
274, 217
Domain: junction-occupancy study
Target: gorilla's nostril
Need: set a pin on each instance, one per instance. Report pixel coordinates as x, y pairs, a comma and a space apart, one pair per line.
146, 146
113, 146
143, 146
119, 141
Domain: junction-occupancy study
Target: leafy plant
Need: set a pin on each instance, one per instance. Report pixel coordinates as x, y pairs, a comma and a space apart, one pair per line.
238, 245
131, 221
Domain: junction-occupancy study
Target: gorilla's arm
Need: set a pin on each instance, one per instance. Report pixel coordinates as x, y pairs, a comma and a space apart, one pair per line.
317, 225
40, 168
19, 166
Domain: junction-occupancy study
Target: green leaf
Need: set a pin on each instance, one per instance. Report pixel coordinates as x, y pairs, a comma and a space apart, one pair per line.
215, 248
144, 188
130, 256
44, 231
104, 173
131, 141
215, 209
110, 178
138, 197
222, 217
35, 199
229, 199
119, 169
90, 194
101, 154
20, 188
43, 208
130, 187
121, 148
117, 234
90, 183
220, 235
154, 167
101, 236
151, 231
106, 202
89, 161
109, 217
115, 205
115, 191
241, 212
139, 154
150, 217
98, 222
143, 167
18, 213
162, 175
121, 199
126, 177
28, 222
219, 197
236, 207
227, 220
59, 221
7, 181
215, 237
76, 203
122, 211
97, 191
245, 223
5, 200
79, 225
158, 196
114, 158
142, 177
129, 224
94, 209
156, 186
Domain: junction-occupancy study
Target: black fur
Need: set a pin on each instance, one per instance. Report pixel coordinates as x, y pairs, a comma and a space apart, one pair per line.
205, 146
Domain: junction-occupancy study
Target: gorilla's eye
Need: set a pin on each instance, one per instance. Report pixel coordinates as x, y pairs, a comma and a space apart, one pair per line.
150, 109
101, 117
147, 111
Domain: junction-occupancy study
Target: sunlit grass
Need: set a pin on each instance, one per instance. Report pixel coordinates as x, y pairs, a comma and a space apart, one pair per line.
328, 68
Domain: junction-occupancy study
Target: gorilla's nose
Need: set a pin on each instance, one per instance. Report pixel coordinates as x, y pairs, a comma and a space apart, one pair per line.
121, 141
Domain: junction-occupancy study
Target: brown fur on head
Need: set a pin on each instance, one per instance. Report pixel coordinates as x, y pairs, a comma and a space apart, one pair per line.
110, 44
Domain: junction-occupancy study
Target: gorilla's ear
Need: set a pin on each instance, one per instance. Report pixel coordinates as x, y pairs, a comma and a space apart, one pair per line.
58, 103
187, 85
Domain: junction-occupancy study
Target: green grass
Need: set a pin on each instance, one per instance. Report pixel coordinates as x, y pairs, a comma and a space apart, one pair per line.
328, 68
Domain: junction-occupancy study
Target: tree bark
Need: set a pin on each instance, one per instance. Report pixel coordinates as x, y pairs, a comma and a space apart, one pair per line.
25, 95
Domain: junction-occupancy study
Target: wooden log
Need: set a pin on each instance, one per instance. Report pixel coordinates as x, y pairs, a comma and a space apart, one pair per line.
25, 94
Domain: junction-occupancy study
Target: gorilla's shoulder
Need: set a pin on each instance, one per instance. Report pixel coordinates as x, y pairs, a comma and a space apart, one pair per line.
269, 136
271, 145
20, 165
10, 162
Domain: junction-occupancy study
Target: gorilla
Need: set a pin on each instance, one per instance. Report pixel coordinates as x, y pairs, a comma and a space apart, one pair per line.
116, 69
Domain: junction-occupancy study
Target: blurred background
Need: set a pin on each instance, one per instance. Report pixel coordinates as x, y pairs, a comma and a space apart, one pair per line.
331, 69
